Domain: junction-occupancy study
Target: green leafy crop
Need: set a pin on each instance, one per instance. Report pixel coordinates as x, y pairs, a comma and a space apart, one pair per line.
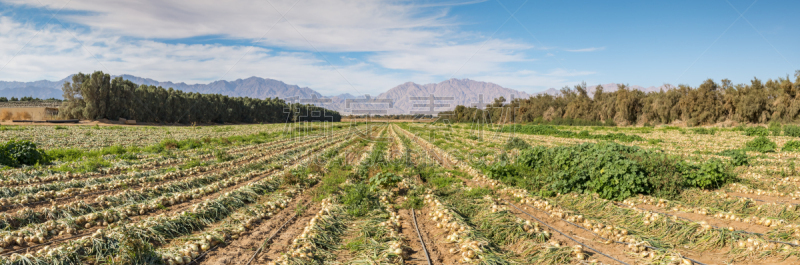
761, 144
15, 153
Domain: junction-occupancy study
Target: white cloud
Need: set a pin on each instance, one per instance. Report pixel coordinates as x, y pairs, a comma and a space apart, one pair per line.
335, 25
54, 54
394, 42
454, 59
591, 49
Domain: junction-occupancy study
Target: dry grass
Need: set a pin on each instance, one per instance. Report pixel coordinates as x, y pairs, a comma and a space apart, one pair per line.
5, 115
23, 115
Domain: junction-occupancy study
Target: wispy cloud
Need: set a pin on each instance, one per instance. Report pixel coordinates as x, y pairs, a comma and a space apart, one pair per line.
378, 44
592, 49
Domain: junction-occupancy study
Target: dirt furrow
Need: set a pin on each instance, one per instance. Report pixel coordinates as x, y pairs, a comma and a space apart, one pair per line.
416, 252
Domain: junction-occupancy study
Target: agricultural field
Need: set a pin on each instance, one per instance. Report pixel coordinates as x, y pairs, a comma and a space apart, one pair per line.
399, 193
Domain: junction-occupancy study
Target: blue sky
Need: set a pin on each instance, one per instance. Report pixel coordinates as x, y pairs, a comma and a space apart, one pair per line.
367, 47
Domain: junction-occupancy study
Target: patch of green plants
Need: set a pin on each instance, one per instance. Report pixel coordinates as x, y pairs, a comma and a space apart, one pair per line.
761, 144
791, 146
611, 170
384, 180
15, 153
11, 128
516, 143
192, 163
654, 141
359, 199
88, 165
75, 154
756, 131
775, 128
738, 157
548, 130
222, 156
791, 130
711, 174
572, 122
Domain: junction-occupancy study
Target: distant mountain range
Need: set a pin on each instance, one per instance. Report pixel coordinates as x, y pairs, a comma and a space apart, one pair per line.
38, 89
404, 98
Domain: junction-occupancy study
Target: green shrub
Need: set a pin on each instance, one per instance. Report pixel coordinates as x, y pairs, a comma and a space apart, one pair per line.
384, 180
601, 168
611, 170
222, 156
548, 130
68, 154
516, 143
756, 131
359, 200
701, 130
761, 144
654, 141
88, 165
775, 128
15, 153
791, 130
711, 174
738, 157
791, 146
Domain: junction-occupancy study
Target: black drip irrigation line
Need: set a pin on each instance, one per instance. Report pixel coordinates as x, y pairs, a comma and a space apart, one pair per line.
618, 242
278, 231
565, 235
414, 216
717, 227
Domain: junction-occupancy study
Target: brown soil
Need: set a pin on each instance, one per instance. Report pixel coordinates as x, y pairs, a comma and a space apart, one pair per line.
281, 243
589, 239
434, 239
239, 251
417, 254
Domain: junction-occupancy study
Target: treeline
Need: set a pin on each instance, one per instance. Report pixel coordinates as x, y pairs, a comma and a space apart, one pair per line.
394, 116
28, 99
758, 102
97, 96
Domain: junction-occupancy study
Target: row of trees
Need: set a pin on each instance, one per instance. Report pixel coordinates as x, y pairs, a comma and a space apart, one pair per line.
711, 102
97, 96
28, 99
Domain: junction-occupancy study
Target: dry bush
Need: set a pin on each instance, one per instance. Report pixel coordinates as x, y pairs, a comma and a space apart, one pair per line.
5, 115
22, 115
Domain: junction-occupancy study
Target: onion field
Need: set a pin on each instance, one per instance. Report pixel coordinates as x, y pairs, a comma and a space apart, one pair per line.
400, 193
